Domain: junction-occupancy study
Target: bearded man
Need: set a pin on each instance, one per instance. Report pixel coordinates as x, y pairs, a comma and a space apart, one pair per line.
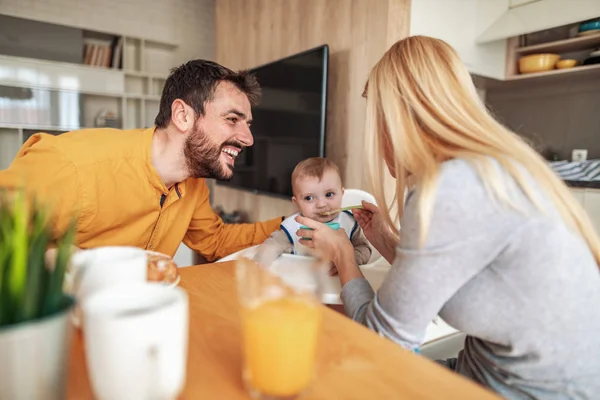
146, 187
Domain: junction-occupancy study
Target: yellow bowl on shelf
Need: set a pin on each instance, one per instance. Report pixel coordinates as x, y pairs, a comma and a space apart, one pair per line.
569, 63
537, 63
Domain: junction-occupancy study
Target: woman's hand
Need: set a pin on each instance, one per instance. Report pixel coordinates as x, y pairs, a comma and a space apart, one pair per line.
370, 220
376, 231
329, 242
333, 244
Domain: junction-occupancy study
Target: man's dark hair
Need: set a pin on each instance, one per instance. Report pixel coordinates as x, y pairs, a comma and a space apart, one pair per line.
195, 82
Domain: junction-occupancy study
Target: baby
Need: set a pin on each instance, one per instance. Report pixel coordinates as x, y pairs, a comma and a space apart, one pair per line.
317, 188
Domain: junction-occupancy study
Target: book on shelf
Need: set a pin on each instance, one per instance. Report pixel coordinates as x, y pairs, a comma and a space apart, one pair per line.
117, 53
103, 53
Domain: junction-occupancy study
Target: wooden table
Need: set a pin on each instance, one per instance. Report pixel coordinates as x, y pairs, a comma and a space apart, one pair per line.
354, 363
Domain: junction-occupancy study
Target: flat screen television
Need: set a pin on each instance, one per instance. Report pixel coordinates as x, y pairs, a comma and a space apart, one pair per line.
288, 125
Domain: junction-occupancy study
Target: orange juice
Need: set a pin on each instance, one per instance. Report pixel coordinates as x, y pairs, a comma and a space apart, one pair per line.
280, 343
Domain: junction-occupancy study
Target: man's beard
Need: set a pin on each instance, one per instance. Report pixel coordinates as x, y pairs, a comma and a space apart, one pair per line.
202, 158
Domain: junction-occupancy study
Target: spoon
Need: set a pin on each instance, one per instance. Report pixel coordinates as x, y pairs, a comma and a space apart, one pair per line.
340, 210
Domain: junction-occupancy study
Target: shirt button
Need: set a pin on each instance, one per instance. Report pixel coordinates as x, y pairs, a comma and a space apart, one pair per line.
150, 246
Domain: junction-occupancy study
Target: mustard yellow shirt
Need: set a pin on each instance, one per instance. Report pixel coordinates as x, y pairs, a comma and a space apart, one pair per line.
104, 177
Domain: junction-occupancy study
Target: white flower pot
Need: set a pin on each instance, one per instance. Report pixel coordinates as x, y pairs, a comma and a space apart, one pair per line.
34, 357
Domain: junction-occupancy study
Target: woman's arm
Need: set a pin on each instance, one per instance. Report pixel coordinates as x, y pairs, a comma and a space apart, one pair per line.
387, 246
347, 267
466, 234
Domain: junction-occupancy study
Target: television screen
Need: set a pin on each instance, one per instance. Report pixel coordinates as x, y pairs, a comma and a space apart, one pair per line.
288, 124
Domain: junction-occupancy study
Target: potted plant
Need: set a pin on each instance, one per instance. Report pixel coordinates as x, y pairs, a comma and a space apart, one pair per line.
35, 328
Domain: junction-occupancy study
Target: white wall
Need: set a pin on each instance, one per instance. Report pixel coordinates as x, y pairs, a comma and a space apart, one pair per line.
460, 22
187, 23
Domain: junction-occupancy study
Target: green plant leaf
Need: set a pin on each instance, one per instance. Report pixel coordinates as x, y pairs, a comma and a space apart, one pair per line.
45, 275
39, 238
5, 262
18, 267
29, 290
54, 294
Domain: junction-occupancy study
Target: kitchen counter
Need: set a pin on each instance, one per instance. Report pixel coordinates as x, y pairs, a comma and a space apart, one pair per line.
583, 184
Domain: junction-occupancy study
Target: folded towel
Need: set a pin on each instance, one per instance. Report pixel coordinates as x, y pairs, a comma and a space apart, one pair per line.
587, 171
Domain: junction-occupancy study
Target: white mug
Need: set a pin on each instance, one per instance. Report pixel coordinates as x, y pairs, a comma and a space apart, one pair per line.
101, 267
136, 338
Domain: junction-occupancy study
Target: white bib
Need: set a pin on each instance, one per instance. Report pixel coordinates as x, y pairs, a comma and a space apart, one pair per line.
290, 226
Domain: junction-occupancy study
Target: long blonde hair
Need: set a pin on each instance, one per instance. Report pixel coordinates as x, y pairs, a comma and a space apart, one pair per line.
423, 109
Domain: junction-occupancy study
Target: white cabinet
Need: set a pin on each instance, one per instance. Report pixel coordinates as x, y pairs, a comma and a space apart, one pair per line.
590, 199
579, 194
479, 29
591, 204
460, 22
523, 16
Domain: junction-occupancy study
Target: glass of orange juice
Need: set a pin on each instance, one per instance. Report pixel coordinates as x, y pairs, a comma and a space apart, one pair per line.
281, 324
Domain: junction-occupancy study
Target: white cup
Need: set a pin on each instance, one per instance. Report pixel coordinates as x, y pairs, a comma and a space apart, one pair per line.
136, 338
102, 267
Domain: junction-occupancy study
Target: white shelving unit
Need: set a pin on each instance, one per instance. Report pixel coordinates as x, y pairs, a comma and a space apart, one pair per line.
56, 97
10, 141
146, 64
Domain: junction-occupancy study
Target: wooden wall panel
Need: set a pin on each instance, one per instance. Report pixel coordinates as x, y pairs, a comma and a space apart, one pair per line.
253, 32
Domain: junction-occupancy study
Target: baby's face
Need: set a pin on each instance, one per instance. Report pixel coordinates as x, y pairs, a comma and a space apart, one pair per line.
314, 196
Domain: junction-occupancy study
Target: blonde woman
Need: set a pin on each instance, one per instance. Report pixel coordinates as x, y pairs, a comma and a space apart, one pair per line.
491, 239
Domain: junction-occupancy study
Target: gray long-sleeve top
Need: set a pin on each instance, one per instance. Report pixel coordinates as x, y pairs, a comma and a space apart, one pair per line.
522, 286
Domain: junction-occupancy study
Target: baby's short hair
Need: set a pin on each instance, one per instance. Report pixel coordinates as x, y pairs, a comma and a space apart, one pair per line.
313, 167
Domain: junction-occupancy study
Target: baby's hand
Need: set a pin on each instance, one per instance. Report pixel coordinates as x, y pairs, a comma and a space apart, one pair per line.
267, 253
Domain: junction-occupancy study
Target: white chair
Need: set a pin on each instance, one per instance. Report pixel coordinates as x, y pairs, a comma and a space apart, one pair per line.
248, 253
